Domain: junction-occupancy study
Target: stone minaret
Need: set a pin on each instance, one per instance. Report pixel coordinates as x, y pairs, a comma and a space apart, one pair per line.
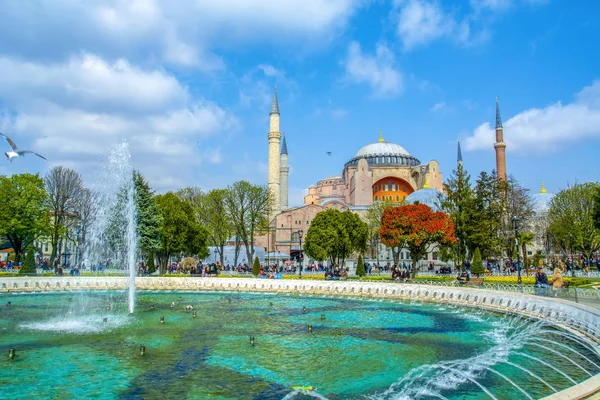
500, 146
459, 154
283, 176
274, 163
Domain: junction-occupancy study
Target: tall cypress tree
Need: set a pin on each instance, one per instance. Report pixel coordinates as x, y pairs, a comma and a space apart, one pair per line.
457, 204
148, 216
29, 264
485, 215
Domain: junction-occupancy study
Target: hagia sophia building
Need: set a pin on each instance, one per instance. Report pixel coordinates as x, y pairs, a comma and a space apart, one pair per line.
379, 170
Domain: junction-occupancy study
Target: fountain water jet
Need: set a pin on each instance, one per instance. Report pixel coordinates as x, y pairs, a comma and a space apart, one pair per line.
113, 234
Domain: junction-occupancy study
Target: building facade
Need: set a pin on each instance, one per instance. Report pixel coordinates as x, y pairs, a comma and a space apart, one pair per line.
381, 170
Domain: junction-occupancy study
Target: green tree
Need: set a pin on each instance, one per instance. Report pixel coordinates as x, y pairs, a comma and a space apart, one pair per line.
256, 267
484, 216
571, 219
64, 187
148, 217
150, 263
457, 204
516, 203
179, 231
248, 207
360, 267
597, 208
525, 239
29, 263
23, 211
373, 218
477, 268
212, 213
336, 235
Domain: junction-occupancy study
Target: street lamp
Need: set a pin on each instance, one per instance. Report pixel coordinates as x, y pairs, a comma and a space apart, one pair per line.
300, 232
515, 222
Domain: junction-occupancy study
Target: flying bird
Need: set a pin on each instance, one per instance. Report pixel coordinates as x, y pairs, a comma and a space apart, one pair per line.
15, 150
328, 153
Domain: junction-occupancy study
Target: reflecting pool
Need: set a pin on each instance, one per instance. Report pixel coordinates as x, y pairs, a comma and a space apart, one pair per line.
86, 345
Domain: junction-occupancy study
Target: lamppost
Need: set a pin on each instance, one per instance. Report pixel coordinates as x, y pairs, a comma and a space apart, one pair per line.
515, 222
300, 232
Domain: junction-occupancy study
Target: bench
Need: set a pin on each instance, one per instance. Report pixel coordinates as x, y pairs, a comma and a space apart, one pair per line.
472, 282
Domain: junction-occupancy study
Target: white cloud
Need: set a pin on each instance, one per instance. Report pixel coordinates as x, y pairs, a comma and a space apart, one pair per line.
180, 32
269, 70
256, 86
546, 129
378, 70
339, 113
73, 112
438, 107
89, 82
495, 5
420, 22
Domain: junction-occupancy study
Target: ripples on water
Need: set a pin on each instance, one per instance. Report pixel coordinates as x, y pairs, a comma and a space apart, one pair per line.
362, 349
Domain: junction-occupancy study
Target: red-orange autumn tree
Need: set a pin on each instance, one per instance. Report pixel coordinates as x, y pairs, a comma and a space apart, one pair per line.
417, 227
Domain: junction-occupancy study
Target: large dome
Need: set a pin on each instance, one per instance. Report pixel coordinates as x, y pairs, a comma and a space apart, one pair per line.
382, 149
384, 153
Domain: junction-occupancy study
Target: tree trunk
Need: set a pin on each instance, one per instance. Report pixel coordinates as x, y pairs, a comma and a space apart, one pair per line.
414, 268
222, 251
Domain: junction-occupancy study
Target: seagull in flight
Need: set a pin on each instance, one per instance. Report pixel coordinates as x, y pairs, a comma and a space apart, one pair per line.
15, 150
328, 153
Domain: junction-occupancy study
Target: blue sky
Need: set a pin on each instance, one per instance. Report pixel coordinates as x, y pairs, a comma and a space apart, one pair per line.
189, 85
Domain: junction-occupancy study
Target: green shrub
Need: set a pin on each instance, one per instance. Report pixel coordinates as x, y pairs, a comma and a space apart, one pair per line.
150, 263
477, 268
256, 267
360, 267
28, 266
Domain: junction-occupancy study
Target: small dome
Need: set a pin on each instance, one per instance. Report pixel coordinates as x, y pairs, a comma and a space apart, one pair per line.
541, 201
427, 196
382, 149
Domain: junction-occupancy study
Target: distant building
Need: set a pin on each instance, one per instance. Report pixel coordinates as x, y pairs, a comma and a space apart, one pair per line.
378, 171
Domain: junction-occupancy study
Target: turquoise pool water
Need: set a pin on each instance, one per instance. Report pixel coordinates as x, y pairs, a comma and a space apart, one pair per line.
362, 349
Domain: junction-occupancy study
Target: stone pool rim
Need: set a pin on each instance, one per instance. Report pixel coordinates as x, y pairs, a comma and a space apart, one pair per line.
577, 318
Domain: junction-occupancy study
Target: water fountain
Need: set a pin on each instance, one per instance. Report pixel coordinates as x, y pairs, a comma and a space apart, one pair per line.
113, 234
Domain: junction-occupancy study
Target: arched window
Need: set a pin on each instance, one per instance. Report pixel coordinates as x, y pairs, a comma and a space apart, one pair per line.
397, 198
375, 197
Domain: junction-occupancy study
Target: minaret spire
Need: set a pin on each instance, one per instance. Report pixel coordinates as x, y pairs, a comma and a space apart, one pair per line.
381, 136
498, 118
284, 171
275, 104
459, 154
284, 145
500, 146
274, 155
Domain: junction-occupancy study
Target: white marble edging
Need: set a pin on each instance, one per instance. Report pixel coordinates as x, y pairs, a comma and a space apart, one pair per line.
575, 317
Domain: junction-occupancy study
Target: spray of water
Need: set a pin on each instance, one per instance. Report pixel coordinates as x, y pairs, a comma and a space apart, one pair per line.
112, 238
509, 336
